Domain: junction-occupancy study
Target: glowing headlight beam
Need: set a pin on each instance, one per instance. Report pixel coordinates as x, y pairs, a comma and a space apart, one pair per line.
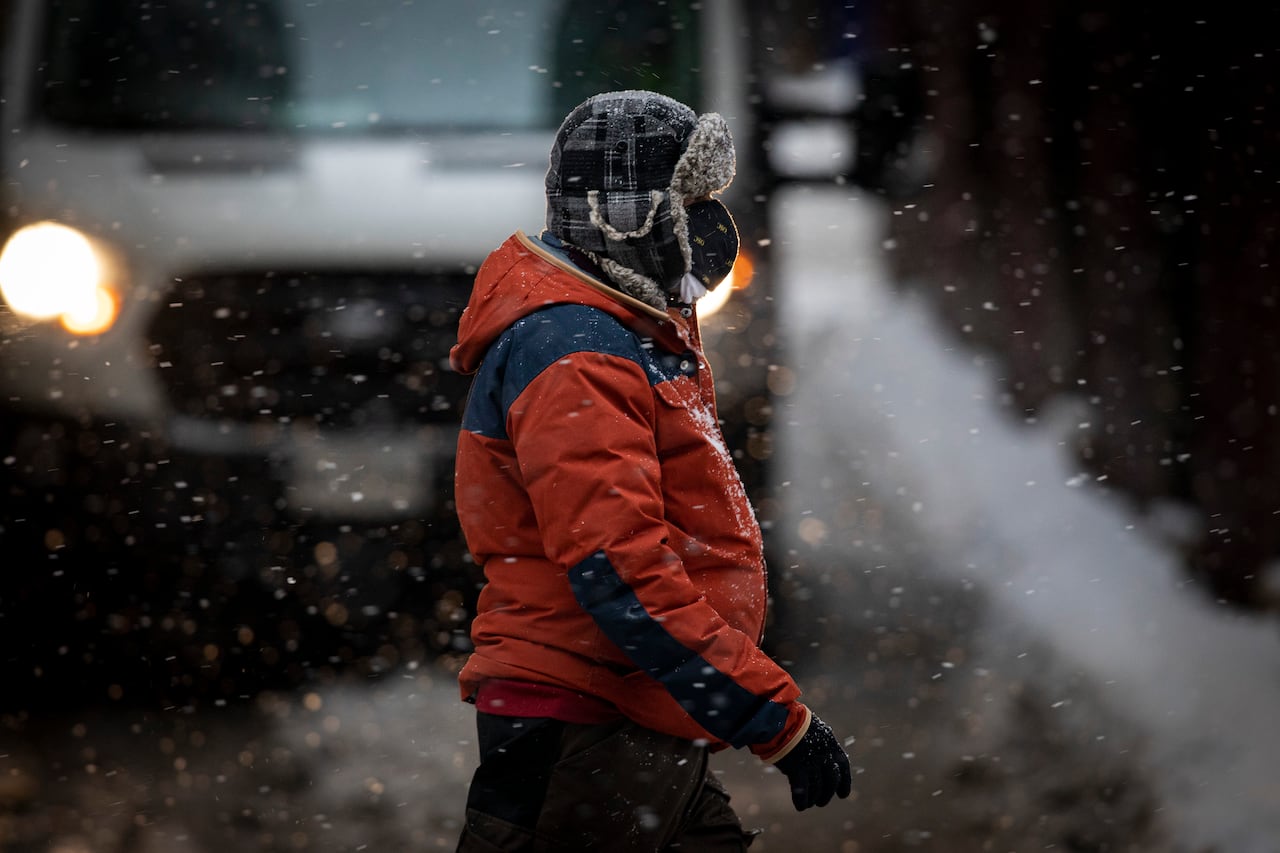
51, 270
739, 277
94, 318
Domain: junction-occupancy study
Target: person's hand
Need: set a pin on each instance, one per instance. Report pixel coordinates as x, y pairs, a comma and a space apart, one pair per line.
817, 767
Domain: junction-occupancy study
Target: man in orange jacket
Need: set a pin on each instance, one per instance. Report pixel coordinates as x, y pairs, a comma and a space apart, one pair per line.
617, 635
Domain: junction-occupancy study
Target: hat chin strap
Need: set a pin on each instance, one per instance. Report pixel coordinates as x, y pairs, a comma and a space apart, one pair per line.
598, 220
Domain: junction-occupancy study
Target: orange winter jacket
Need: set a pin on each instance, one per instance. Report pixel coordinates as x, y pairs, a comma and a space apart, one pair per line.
621, 556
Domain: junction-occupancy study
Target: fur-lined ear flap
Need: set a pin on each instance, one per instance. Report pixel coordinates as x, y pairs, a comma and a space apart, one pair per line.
708, 163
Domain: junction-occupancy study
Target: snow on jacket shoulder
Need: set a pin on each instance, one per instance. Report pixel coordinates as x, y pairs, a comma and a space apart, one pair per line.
621, 556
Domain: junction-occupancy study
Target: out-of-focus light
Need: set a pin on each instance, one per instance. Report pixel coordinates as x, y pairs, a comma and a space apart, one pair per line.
51, 270
92, 319
818, 148
737, 279
715, 300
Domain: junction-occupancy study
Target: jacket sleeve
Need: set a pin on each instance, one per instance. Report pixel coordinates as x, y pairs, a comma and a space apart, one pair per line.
584, 436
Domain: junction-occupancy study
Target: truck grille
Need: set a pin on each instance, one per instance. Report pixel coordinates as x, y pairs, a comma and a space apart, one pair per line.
342, 350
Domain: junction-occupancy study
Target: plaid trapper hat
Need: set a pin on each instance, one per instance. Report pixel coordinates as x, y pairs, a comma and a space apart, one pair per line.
621, 169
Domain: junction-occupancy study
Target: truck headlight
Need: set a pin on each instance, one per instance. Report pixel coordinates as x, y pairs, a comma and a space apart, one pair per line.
50, 270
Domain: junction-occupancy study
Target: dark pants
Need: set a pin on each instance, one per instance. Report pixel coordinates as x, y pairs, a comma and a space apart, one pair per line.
544, 786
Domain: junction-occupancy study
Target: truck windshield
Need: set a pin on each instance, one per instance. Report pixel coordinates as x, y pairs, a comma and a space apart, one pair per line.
352, 66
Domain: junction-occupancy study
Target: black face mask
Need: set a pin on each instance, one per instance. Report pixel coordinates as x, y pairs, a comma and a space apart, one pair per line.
713, 241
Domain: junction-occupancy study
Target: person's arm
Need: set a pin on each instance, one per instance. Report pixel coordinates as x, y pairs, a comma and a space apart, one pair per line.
583, 430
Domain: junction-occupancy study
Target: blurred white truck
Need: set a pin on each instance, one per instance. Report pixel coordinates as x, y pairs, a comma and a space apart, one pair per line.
237, 236
248, 227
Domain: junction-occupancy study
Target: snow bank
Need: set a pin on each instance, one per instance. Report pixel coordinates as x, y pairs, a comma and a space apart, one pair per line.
1002, 504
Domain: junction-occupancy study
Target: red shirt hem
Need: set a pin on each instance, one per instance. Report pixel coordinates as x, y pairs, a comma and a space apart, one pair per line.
508, 697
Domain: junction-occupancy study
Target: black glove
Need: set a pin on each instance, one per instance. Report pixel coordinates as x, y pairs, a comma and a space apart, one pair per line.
817, 767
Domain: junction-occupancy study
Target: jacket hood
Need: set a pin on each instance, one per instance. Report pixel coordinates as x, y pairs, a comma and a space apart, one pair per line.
524, 275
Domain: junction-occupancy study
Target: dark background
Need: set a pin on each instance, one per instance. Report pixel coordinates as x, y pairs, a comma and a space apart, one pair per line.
1088, 193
